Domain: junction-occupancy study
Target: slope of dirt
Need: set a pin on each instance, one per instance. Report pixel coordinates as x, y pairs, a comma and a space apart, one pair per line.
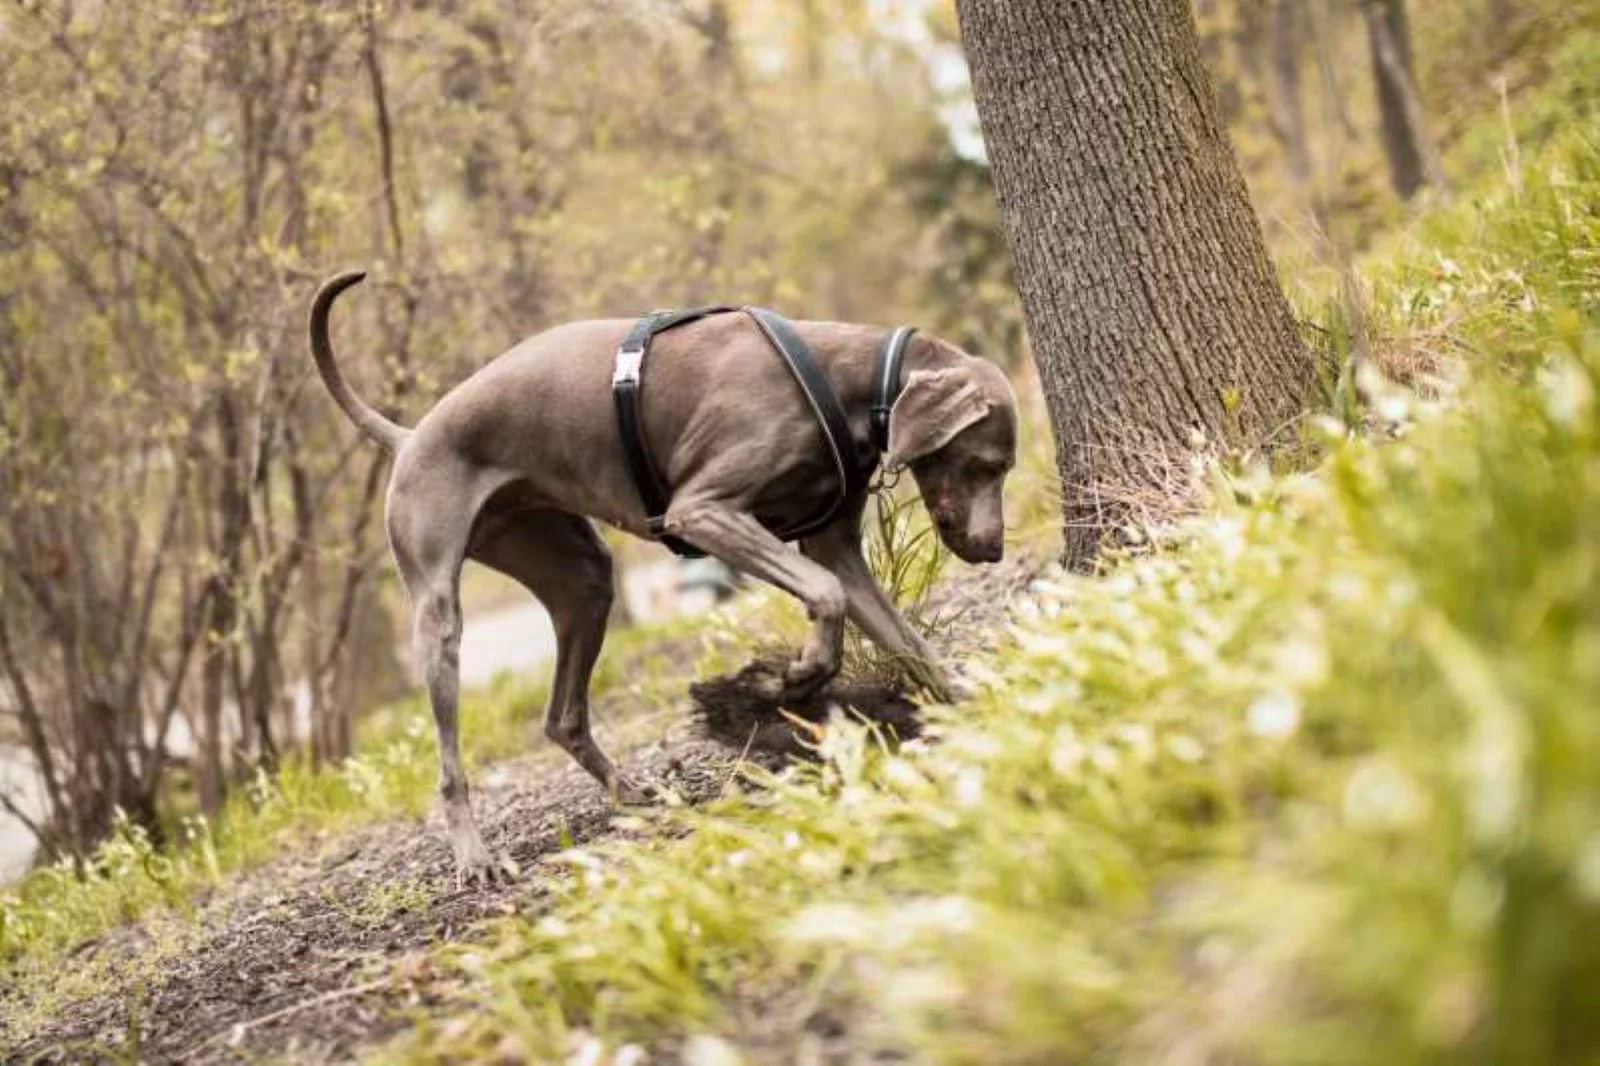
322, 953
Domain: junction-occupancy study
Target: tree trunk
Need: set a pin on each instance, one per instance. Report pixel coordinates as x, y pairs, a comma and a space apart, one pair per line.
1413, 161
1500, 27
1151, 303
1287, 36
1322, 46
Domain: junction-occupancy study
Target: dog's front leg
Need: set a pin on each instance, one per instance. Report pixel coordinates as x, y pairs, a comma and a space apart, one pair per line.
838, 548
744, 544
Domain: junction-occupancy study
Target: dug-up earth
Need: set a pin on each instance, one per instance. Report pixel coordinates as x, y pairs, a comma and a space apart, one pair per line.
322, 954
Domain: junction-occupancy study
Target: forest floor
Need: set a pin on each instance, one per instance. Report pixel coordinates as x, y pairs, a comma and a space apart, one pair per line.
322, 954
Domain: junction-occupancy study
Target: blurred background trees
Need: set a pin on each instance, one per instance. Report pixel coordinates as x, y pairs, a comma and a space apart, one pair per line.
189, 541
192, 574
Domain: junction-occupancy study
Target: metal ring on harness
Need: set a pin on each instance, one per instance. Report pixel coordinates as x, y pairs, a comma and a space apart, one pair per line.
627, 380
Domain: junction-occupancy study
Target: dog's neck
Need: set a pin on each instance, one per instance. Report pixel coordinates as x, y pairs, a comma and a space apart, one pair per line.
851, 369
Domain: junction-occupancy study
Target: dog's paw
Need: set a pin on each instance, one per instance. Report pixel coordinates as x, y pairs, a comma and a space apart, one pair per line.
476, 867
804, 678
785, 683
950, 690
628, 792
485, 872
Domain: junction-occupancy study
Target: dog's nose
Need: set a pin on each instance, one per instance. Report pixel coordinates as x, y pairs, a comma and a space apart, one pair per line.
981, 551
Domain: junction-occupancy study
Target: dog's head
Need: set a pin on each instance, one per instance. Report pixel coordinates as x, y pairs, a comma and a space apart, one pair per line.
956, 428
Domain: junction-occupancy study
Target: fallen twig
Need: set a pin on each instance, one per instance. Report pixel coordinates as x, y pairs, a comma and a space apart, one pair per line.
234, 1034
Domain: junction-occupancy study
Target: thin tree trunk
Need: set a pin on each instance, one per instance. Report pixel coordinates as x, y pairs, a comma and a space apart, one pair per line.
380, 107
34, 732
212, 780
1322, 46
1287, 36
1413, 160
233, 507
1500, 26
1151, 303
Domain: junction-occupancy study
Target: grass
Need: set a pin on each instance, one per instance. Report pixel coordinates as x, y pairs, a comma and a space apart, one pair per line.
1315, 777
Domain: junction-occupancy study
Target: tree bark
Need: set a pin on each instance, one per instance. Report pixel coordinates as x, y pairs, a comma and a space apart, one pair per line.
1151, 303
1413, 161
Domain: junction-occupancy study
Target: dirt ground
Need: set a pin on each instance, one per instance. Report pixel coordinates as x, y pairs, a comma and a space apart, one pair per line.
321, 955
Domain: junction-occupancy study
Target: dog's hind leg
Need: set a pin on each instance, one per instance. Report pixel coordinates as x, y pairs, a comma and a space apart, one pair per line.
429, 545
562, 561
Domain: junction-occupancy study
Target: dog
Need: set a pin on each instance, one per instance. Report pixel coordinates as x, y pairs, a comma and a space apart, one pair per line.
510, 466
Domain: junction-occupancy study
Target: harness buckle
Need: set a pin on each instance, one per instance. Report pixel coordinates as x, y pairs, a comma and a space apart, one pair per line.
629, 363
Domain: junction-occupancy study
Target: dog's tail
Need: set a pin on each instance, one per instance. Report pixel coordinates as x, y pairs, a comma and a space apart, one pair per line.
367, 420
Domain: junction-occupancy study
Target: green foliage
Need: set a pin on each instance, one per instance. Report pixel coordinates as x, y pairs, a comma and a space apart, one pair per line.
1311, 782
57, 906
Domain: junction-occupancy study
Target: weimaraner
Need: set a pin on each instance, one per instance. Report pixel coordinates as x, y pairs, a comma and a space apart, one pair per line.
509, 467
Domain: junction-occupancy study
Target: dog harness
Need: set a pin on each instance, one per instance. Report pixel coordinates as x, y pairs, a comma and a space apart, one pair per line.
656, 495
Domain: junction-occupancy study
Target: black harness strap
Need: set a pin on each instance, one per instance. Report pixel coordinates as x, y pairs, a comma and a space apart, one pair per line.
886, 383
625, 383
813, 381
656, 495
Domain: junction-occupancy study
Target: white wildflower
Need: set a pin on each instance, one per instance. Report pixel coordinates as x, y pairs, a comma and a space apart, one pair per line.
1139, 738
1067, 752
921, 988
942, 916
1567, 393
1329, 428
1185, 748
1302, 661
842, 923
1381, 795
1274, 715
900, 774
1345, 587
708, 1050
969, 787
1228, 535
589, 1051
1402, 592
1393, 406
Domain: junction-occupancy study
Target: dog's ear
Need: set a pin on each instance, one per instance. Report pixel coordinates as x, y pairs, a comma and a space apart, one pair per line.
933, 407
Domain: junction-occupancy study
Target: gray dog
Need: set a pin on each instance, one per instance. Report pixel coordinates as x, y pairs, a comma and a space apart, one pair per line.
510, 466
